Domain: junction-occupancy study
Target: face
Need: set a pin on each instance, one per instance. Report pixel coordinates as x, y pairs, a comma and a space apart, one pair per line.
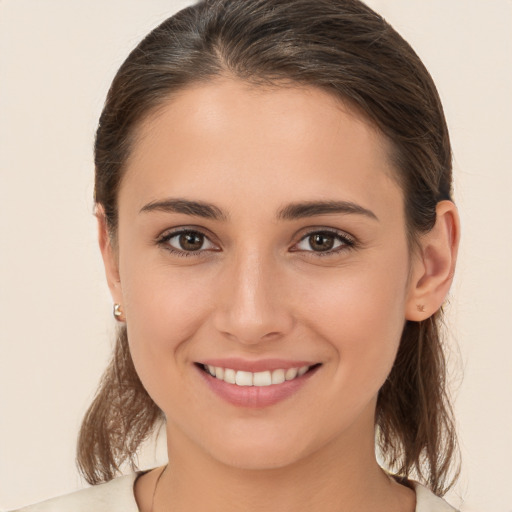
261, 236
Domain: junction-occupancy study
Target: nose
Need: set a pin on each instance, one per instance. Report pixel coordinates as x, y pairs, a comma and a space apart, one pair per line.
252, 304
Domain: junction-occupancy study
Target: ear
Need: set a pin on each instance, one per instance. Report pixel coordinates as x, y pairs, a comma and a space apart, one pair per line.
434, 264
110, 256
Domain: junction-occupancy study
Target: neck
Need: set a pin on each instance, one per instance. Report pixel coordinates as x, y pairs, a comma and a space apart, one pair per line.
341, 476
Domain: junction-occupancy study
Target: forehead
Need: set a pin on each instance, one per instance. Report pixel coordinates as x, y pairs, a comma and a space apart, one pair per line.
262, 141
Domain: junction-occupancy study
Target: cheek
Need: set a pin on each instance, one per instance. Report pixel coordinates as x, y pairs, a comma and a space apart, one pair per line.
164, 309
361, 315
166, 303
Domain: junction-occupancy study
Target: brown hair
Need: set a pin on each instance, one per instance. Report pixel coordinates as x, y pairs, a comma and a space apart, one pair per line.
343, 47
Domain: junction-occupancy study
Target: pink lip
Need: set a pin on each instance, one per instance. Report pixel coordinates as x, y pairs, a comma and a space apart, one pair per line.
255, 396
255, 366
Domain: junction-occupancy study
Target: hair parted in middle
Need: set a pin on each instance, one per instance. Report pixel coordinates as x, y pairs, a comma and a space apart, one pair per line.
342, 47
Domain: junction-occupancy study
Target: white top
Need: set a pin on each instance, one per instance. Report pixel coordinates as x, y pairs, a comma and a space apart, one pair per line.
117, 496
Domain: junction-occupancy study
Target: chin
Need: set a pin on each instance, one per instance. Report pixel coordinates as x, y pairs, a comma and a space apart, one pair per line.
258, 459
259, 452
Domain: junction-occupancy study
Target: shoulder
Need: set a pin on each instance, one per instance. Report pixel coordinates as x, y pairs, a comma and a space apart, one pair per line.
427, 501
114, 496
117, 496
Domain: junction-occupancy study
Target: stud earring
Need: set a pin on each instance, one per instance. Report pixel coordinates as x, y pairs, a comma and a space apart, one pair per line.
421, 308
118, 313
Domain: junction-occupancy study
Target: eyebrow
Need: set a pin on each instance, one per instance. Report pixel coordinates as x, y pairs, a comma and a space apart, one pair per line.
291, 211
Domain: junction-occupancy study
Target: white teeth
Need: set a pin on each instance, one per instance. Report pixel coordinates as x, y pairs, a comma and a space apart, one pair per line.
291, 373
265, 378
278, 377
229, 376
243, 378
302, 370
262, 379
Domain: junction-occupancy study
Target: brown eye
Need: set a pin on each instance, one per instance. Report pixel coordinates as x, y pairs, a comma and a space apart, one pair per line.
187, 243
325, 243
321, 241
191, 241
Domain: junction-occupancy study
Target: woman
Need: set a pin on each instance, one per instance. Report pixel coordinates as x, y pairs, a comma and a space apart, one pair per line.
273, 191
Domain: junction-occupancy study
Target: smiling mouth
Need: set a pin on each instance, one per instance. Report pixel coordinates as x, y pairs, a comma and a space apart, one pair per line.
256, 379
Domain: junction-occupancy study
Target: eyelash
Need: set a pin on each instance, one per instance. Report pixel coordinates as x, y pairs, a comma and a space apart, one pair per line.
348, 243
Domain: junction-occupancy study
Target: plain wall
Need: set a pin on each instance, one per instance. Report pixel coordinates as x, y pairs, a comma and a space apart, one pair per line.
57, 58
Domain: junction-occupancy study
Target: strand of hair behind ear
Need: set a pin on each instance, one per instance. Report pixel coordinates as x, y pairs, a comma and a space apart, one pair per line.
121, 416
415, 425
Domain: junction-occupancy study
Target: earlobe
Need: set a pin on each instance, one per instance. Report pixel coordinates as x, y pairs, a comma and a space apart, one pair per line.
433, 268
109, 255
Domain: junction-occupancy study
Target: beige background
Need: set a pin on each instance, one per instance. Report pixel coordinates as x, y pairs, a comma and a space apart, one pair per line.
57, 58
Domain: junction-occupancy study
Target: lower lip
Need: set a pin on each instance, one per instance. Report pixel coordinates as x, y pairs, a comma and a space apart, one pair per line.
255, 396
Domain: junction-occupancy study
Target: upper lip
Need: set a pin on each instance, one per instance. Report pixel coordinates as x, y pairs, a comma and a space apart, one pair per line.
259, 365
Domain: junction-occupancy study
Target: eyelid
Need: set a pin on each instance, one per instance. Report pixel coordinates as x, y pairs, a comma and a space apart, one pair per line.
164, 238
170, 232
348, 241
324, 229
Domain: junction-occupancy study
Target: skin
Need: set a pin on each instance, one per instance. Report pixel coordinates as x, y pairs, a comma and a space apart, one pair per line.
259, 288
